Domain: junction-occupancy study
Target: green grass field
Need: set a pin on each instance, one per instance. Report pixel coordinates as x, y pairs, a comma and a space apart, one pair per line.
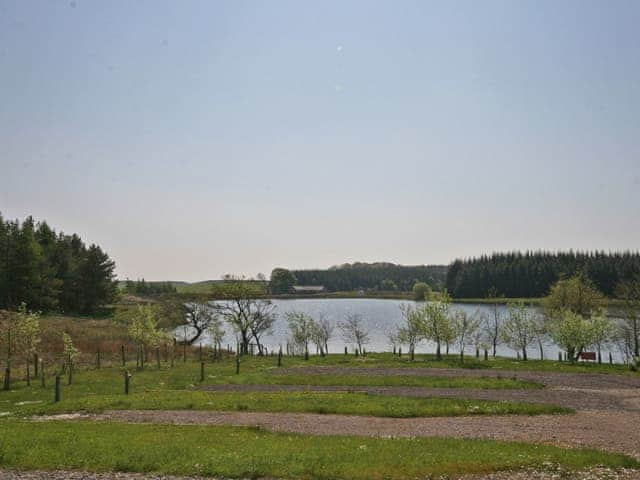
177, 388
233, 452
297, 402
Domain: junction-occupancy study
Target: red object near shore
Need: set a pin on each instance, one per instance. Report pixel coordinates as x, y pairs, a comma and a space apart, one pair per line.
588, 356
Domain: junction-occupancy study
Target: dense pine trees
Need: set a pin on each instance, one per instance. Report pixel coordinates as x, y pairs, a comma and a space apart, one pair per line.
531, 274
373, 276
50, 271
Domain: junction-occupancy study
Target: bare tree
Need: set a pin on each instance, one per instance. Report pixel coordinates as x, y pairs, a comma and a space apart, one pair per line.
198, 320
243, 309
354, 331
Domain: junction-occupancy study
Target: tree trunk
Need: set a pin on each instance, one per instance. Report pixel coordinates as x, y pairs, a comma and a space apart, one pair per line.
524, 354
438, 355
28, 372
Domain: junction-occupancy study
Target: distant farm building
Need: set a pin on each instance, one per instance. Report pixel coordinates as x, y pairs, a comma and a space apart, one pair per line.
308, 289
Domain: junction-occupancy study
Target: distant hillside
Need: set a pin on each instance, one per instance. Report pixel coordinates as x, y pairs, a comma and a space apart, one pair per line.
373, 276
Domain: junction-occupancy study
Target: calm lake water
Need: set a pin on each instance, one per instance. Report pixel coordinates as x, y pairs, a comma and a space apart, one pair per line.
381, 317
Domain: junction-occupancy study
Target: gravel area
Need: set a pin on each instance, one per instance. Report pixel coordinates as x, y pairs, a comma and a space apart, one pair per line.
619, 399
605, 430
550, 474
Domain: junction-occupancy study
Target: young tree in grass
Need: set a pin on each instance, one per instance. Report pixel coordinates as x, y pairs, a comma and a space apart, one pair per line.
70, 352
411, 332
302, 328
437, 322
354, 331
491, 323
144, 331
518, 328
322, 332
28, 335
465, 326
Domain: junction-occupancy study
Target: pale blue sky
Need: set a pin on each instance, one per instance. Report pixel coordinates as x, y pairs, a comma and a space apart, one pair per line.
192, 139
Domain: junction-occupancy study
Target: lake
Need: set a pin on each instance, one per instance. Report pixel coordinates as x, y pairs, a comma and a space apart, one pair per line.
381, 317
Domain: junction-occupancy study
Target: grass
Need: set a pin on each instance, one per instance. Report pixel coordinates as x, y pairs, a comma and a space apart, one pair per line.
378, 381
251, 453
342, 403
176, 388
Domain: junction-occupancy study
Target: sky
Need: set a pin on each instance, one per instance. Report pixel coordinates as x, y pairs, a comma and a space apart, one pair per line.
192, 139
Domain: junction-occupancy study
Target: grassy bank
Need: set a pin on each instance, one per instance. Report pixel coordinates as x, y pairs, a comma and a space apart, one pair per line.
296, 402
252, 453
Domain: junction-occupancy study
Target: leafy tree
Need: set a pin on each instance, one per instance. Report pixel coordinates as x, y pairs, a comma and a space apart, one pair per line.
577, 294
421, 291
28, 335
282, 281
412, 331
437, 322
518, 330
465, 327
70, 352
387, 285
572, 331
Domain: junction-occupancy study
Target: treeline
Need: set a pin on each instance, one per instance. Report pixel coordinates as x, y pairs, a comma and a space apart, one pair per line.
531, 274
51, 271
142, 287
373, 276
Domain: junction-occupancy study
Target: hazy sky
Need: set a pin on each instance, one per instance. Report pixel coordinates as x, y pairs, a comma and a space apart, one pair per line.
192, 139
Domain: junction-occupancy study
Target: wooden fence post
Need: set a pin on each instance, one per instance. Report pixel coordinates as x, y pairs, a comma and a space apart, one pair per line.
42, 377
202, 371
237, 364
58, 388
127, 379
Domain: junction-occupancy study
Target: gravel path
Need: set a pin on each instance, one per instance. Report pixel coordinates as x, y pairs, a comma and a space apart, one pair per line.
606, 430
593, 474
619, 399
